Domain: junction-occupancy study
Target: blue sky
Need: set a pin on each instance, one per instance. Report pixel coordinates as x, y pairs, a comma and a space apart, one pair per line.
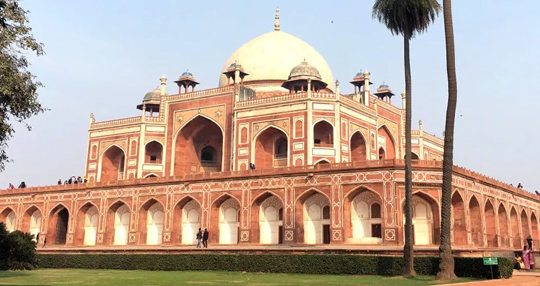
103, 56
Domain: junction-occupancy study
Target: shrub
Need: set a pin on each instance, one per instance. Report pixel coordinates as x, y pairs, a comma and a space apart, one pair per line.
274, 263
17, 250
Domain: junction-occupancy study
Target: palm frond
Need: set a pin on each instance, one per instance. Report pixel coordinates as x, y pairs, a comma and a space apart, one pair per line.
406, 17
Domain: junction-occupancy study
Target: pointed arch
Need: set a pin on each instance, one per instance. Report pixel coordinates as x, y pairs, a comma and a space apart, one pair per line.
195, 134
265, 153
363, 216
112, 164
426, 218
31, 220
86, 224
322, 162
9, 217
323, 133
524, 225
151, 222
358, 147
491, 224
514, 222
267, 218
459, 226
151, 175
186, 220
117, 225
503, 226
153, 152
313, 216
475, 221
225, 218
58, 225
387, 141
534, 228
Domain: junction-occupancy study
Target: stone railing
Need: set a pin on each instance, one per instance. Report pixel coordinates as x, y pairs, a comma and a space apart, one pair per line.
273, 99
115, 122
398, 164
153, 119
324, 95
198, 93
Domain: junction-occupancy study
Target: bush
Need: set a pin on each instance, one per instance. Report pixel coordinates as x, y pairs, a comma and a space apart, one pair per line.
274, 263
17, 250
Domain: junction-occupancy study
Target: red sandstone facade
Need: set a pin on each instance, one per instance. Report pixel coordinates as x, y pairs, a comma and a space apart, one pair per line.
328, 170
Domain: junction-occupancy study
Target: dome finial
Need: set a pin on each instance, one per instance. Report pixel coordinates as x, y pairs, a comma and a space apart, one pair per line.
276, 25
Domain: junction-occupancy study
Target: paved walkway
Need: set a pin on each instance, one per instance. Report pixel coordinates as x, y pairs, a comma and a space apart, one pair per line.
518, 279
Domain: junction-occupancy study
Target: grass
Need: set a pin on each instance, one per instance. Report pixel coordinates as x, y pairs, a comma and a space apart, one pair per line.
82, 277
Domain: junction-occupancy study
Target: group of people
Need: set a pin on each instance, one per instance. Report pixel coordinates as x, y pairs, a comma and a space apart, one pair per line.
22, 185
202, 236
73, 180
526, 260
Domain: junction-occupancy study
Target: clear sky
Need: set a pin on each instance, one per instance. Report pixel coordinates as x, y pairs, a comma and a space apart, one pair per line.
103, 56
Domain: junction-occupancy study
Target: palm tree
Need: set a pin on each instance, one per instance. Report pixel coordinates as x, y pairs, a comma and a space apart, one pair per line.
407, 18
446, 264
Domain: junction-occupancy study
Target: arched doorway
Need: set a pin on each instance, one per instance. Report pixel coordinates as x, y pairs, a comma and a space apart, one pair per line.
32, 221
151, 223
121, 225
271, 149
424, 220
153, 153
186, 221
199, 147
503, 226
458, 220
58, 225
516, 240
113, 164
267, 213
86, 225
366, 218
8, 216
323, 134
524, 226
316, 215
117, 225
475, 218
358, 148
386, 140
491, 228
229, 221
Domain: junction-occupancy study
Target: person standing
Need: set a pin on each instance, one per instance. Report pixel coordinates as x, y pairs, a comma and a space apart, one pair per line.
199, 237
525, 255
44, 242
529, 242
205, 238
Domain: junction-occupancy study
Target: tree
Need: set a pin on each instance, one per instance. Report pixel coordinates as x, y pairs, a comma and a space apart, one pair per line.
17, 250
18, 86
407, 18
446, 264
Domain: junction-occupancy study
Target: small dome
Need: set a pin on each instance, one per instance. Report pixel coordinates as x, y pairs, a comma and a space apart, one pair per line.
187, 73
384, 85
153, 95
304, 71
187, 76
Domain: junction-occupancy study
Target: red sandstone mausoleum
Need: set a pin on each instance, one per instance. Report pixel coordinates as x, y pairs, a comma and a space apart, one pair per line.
329, 168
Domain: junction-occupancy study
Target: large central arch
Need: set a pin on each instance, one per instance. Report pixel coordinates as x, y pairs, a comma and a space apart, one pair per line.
198, 147
271, 149
113, 162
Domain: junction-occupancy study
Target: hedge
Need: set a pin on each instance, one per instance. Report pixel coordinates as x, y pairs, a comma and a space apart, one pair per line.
274, 263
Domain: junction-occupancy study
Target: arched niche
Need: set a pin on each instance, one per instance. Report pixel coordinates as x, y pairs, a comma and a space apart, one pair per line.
267, 219
386, 140
271, 149
316, 219
113, 164
151, 219
9, 217
503, 226
153, 153
475, 219
58, 225
117, 228
366, 218
459, 226
491, 224
187, 221
358, 147
86, 225
323, 134
198, 135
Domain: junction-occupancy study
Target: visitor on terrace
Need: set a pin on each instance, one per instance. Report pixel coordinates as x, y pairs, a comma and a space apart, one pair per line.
79, 180
11, 186
22, 185
520, 186
59, 181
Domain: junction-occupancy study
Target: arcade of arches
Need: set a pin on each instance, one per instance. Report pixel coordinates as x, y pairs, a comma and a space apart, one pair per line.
364, 219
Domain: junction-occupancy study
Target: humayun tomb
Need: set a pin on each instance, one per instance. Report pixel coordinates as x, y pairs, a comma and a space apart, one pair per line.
275, 155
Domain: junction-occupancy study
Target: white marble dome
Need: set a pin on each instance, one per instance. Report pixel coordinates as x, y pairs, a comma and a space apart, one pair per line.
272, 56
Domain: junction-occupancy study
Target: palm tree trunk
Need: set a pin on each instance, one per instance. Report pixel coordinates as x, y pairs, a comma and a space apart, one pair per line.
446, 265
408, 251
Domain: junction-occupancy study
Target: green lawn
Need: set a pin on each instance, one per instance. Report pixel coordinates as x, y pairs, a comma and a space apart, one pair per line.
135, 278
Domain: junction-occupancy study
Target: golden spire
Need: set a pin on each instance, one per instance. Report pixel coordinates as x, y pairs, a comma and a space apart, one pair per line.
276, 25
